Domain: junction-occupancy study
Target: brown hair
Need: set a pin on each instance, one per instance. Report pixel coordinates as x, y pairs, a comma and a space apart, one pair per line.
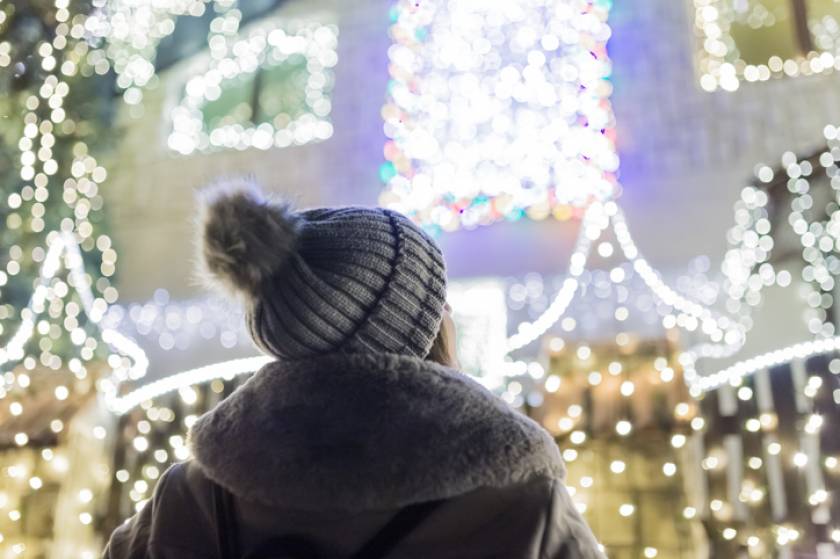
441, 353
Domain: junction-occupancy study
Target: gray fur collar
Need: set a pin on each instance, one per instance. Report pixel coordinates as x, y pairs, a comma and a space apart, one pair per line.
365, 432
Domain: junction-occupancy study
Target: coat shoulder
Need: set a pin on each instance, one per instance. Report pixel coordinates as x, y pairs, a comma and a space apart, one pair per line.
186, 496
179, 506
535, 519
566, 533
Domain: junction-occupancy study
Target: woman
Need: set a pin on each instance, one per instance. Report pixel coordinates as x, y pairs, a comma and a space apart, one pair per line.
360, 440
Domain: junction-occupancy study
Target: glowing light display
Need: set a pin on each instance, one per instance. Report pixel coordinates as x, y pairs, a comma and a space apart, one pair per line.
131, 31
294, 110
730, 33
498, 110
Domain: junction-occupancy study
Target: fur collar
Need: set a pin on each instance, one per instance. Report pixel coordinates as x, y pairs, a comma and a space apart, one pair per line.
365, 432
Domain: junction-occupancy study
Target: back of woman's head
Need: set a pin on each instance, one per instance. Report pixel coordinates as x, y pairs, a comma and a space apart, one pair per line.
345, 279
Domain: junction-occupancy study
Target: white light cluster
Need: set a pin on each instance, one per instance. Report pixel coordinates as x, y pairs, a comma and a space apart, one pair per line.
594, 222
185, 379
747, 264
14, 348
132, 30
720, 62
498, 109
750, 241
270, 44
64, 245
726, 334
747, 367
178, 325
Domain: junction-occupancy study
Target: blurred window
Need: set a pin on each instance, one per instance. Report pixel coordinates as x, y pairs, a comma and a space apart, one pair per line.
755, 40
271, 88
273, 94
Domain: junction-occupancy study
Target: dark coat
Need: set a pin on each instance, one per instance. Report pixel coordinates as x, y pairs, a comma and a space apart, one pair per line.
331, 448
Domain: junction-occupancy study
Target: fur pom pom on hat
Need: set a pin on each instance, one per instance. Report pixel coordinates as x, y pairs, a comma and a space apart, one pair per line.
246, 238
344, 279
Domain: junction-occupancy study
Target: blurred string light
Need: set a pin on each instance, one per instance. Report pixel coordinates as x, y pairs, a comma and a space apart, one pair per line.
788, 196
801, 351
130, 31
65, 245
593, 224
748, 265
726, 334
179, 325
498, 110
71, 206
233, 59
720, 61
171, 383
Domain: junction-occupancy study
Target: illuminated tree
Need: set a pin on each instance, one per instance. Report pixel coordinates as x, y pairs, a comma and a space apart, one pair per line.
58, 264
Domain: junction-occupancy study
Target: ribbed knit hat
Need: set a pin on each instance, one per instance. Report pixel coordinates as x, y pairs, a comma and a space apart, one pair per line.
348, 279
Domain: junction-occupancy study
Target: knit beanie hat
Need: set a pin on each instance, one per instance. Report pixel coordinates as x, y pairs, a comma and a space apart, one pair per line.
344, 279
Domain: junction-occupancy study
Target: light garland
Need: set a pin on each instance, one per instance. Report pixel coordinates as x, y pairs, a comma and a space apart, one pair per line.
14, 348
592, 394
735, 373
225, 370
273, 44
131, 31
720, 62
46, 124
179, 325
748, 267
593, 224
65, 245
516, 122
81, 196
726, 334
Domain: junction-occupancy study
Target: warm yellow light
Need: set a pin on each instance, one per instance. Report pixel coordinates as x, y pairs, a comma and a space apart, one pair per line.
730, 533
626, 510
623, 427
